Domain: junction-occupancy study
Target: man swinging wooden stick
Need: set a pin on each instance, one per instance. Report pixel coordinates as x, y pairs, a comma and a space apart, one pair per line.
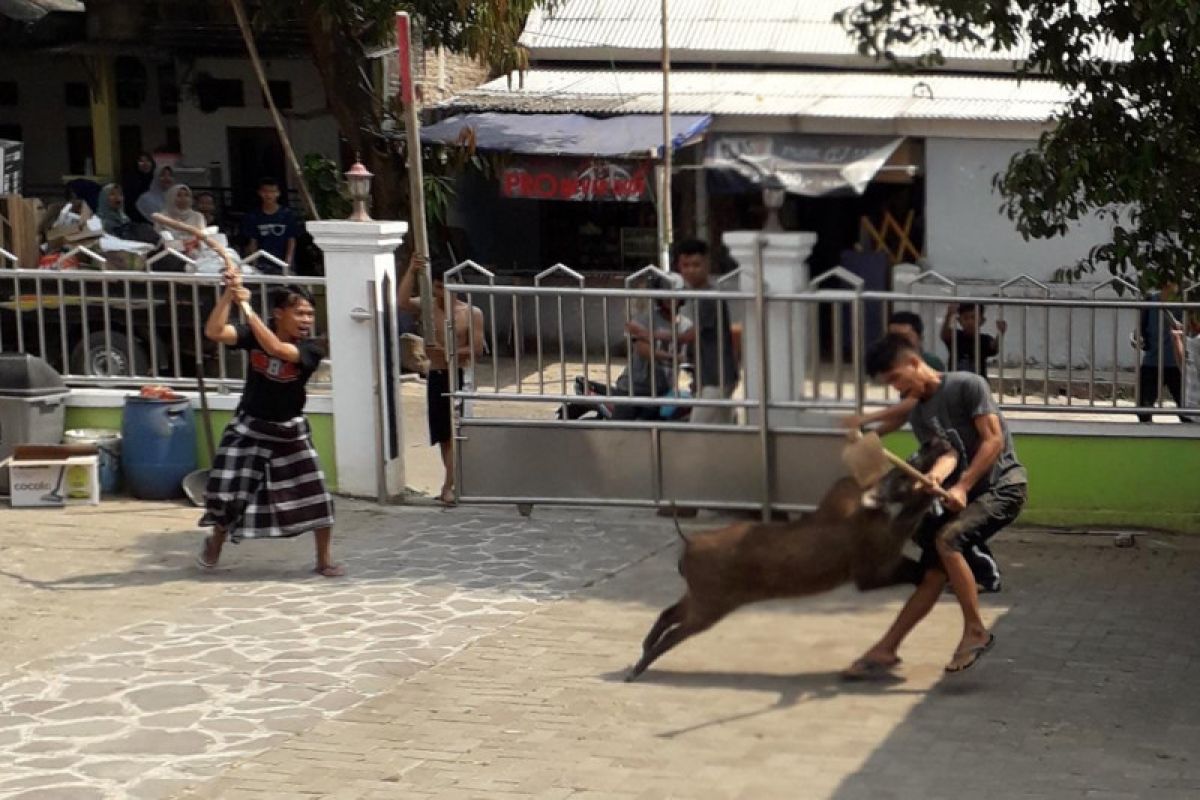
266, 481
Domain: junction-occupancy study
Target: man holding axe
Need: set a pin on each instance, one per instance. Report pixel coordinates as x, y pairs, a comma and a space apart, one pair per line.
982, 488
265, 480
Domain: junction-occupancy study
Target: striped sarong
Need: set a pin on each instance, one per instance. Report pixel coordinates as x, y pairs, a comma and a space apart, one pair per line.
266, 482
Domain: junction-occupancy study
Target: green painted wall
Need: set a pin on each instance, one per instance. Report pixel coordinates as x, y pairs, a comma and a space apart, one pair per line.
1099, 481
322, 428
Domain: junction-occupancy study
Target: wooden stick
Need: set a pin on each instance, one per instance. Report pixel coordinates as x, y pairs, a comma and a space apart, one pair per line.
252, 50
210, 241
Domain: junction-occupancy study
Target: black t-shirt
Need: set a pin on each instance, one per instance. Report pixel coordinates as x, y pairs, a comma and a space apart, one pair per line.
964, 351
275, 388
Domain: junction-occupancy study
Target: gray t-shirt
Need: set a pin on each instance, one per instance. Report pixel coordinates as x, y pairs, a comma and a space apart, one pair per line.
951, 412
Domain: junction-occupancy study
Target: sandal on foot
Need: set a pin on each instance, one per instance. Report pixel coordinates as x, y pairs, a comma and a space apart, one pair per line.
330, 571
447, 501
972, 654
864, 669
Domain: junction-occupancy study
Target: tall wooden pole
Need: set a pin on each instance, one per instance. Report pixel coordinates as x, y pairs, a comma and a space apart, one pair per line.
665, 233
252, 49
416, 180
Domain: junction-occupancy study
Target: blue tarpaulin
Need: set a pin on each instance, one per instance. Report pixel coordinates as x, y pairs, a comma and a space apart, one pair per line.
566, 134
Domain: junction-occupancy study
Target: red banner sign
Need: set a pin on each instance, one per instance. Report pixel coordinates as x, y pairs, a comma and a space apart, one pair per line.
578, 180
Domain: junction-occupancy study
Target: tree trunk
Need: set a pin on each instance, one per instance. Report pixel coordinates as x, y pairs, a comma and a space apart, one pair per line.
339, 59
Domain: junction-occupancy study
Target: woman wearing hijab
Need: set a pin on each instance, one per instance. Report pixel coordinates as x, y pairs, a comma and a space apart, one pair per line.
139, 182
112, 211
178, 205
154, 200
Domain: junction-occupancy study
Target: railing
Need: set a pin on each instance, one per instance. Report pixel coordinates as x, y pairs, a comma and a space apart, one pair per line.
1056, 355
121, 329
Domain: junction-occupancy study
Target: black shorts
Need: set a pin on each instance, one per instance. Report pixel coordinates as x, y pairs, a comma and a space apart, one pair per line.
437, 405
983, 518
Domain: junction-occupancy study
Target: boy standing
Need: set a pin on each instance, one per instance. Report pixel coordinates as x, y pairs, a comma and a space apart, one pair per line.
271, 228
960, 341
265, 480
468, 329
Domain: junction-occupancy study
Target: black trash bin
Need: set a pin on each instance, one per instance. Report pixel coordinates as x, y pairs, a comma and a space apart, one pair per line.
33, 405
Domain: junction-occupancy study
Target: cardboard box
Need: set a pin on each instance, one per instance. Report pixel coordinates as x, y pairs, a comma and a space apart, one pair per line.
71, 481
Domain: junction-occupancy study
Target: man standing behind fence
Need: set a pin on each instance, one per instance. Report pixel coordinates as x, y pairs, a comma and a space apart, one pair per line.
709, 339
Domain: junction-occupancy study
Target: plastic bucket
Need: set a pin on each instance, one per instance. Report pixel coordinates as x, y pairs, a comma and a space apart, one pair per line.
108, 442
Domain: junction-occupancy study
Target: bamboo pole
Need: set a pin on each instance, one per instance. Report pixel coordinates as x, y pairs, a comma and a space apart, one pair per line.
416, 180
252, 49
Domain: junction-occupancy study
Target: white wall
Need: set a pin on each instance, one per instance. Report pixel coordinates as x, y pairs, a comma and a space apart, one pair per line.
44, 117
966, 235
203, 136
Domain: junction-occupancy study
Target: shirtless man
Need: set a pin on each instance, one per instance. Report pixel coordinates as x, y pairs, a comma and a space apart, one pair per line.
468, 328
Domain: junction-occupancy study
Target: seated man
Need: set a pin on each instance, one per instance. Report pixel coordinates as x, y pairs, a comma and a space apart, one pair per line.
651, 369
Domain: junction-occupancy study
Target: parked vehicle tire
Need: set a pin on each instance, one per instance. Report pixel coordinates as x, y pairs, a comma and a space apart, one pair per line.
119, 356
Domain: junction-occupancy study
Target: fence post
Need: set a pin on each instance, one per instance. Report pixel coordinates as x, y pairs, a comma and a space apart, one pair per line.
359, 255
783, 271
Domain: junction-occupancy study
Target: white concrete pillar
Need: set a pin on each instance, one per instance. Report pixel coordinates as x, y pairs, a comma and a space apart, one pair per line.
357, 253
784, 271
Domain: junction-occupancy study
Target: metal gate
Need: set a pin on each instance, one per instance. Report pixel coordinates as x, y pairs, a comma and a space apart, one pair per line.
513, 444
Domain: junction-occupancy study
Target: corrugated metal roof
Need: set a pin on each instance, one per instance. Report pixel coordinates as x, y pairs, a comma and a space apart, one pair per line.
796, 32
834, 95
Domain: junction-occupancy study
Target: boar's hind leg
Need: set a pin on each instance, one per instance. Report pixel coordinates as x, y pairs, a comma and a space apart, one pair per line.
671, 616
689, 627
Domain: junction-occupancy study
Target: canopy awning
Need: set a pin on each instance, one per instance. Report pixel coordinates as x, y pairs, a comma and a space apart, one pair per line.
32, 10
809, 165
566, 134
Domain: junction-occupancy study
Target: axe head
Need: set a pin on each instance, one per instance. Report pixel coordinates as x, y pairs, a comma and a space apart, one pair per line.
864, 458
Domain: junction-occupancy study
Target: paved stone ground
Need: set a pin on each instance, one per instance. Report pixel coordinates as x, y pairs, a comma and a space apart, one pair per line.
472, 654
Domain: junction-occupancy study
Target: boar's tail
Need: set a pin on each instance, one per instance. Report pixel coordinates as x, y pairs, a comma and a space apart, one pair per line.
678, 530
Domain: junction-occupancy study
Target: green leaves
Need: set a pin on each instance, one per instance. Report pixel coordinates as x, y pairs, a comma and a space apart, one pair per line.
1127, 146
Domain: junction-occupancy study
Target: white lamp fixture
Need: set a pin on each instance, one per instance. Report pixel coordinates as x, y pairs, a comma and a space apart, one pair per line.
359, 179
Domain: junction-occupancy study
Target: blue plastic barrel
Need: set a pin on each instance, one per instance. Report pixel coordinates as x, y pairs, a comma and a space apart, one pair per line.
158, 446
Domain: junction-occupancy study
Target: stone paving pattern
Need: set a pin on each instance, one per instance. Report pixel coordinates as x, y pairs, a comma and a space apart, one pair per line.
151, 708
473, 654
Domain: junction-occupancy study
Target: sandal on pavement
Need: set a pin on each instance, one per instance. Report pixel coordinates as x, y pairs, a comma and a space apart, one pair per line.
330, 571
973, 655
864, 669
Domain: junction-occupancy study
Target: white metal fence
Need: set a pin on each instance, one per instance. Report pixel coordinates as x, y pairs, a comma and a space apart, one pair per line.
115, 328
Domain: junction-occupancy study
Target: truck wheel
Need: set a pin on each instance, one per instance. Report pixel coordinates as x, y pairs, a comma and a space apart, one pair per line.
119, 356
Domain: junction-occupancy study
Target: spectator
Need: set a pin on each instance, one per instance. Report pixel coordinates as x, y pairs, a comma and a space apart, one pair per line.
139, 182
271, 227
154, 200
1187, 352
178, 206
206, 204
960, 341
1152, 339
912, 327
651, 369
468, 345
112, 211
709, 339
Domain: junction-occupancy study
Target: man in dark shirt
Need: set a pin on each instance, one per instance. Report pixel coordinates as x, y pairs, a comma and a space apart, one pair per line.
986, 483
271, 228
266, 481
961, 341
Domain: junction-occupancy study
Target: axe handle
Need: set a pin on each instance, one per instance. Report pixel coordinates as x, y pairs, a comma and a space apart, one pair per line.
915, 473
183, 227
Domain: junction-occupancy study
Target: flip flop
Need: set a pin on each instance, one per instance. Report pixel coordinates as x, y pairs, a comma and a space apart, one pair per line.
976, 652
450, 502
865, 670
330, 571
